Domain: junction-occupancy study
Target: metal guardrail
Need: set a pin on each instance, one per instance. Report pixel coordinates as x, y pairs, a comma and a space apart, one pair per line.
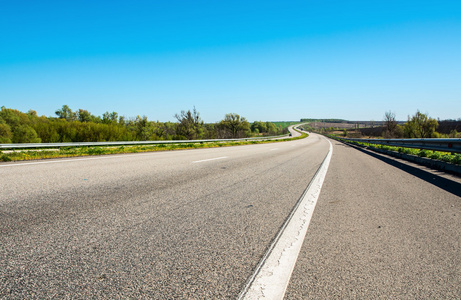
131, 143
125, 143
445, 145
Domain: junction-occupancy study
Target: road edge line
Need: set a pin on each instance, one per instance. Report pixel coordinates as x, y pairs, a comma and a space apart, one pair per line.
272, 275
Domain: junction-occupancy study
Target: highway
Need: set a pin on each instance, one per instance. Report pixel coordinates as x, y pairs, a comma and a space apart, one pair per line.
194, 224
382, 229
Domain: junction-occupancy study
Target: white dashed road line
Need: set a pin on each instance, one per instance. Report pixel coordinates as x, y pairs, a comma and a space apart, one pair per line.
210, 159
57, 161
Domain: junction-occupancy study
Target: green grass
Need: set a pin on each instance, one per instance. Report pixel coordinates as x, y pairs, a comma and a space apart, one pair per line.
285, 124
106, 150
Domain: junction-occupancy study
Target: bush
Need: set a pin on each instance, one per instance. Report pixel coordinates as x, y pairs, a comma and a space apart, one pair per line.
95, 151
446, 158
456, 159
423, 153
25, 134
409, 151
4, 157
435, 155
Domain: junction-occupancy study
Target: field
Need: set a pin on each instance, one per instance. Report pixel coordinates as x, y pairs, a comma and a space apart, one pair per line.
285, 124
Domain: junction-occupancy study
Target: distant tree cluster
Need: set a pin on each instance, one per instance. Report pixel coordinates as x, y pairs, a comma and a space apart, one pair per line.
82, 126
419, 125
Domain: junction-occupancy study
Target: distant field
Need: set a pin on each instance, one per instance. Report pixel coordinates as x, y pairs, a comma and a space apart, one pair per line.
334, 125
345, 125
285, 124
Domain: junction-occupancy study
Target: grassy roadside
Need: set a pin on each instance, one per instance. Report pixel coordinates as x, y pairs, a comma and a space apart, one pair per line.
65, 152
436, 155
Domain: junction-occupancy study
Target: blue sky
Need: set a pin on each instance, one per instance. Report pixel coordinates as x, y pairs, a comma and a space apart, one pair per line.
265, 60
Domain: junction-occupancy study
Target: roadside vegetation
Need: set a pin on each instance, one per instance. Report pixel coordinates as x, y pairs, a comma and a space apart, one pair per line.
285, 124
64, 152
82, 126
436, 155
419, 125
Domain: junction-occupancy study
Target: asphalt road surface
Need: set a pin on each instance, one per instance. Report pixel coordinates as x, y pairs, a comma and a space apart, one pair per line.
382, 229
194, 224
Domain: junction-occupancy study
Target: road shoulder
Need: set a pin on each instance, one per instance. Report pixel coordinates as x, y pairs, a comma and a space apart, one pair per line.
380, 231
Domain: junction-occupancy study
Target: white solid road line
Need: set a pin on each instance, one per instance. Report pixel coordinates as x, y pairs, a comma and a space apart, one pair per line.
272, 275
210, 159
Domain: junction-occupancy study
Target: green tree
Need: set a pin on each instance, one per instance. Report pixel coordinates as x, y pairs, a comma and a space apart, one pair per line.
5, 133
84, 116
272, 129
420, 126
209, 131
108, 118
141, 125
165, 131
233, 126
258, 127
189, 125
25, 134
32, 113
13, 117
46, 130
66, 113
144, 129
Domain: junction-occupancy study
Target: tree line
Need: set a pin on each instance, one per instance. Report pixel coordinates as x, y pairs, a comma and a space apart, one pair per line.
419, 125
82, 126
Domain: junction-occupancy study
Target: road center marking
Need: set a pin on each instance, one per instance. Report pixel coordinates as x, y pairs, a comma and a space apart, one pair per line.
210, 159
274, 149
272, 275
